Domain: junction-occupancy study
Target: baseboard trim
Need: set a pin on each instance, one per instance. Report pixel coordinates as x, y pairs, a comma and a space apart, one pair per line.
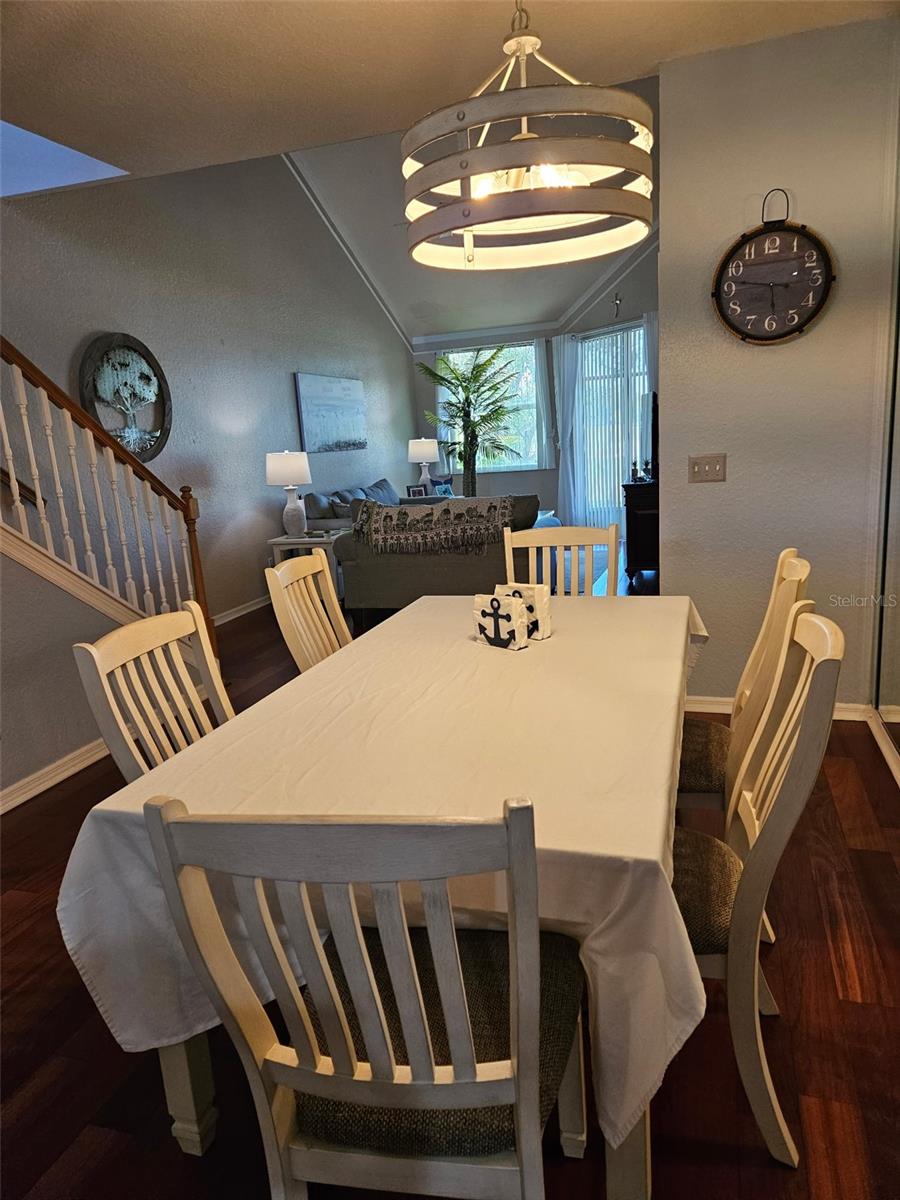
843, 711
885, 744
54, 773
231, 614
890, 712
708, 704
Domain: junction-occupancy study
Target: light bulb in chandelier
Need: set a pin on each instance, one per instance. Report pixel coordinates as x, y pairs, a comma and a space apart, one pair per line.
481, 197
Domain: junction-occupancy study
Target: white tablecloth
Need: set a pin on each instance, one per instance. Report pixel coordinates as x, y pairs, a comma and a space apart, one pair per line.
417, 718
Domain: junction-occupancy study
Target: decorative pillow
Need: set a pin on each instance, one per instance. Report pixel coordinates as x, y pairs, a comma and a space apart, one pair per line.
318, 506
341, 510
382, 491
345, 495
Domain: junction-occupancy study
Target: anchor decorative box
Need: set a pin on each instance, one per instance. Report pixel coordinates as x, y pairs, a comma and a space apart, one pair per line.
501, 621
536, 597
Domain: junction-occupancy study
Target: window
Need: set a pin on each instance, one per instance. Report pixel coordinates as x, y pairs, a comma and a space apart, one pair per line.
529, 428
612, 420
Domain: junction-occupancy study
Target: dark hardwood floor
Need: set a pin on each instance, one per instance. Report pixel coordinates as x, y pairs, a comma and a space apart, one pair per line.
82, 1120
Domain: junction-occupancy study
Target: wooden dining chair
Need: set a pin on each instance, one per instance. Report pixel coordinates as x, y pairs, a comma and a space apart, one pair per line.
306, 608
421, 1060
711, 753
141, 693
722, 898
564, 543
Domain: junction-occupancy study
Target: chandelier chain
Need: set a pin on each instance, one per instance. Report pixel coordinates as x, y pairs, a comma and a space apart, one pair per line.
520, 19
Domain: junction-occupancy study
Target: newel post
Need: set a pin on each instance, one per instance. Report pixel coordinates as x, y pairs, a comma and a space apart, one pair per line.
191, 511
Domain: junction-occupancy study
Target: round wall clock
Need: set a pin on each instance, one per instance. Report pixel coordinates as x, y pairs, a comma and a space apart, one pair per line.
773, 282
123, 387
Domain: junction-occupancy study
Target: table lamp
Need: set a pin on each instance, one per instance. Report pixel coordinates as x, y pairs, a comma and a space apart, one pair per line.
423, 451
287, 469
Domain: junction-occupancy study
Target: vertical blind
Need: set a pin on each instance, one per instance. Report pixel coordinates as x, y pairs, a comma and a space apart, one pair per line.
612, 426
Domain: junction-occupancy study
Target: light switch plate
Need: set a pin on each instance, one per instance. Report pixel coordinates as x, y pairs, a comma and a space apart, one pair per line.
706, 468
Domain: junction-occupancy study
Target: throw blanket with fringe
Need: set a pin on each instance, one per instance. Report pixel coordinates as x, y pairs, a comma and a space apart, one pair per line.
445, 528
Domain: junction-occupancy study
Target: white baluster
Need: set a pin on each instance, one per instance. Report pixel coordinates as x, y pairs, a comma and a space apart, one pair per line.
112, 472
131, 489
22, 402
89, 558
18, 506
112, 578
47, 415
186, 555
151, 522
165, 514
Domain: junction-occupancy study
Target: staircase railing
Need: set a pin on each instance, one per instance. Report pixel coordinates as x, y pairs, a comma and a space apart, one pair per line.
79, 495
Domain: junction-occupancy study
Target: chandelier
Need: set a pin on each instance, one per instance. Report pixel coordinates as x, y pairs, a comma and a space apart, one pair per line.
528, 176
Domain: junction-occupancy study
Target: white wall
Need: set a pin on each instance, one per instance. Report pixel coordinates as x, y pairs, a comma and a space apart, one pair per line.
234, 283
802, 423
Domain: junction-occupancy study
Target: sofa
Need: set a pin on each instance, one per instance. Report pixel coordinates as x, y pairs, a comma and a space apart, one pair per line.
391, 581
332, 510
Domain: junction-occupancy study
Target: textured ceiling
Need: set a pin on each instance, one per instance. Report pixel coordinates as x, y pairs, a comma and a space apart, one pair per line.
165, 85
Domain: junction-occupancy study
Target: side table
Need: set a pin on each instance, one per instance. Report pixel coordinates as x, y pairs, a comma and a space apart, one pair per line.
283, 546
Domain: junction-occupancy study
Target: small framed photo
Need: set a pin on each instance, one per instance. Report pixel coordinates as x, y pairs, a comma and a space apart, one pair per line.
415, 491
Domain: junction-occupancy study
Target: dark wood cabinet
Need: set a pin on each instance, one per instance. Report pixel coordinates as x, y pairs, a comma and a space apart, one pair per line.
641, 528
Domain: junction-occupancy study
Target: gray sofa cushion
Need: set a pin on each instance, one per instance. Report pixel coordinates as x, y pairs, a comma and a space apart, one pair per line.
318, 506
382, 491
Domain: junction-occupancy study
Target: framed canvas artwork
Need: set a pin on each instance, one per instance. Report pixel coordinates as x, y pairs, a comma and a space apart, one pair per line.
332, 413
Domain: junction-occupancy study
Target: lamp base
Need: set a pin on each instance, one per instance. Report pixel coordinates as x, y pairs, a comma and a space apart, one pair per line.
425, 476
294, 515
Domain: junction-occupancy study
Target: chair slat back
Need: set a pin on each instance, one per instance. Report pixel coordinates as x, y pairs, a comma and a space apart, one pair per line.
306, 875
758, 677
141, 693
787, 748
306, 608
573, 548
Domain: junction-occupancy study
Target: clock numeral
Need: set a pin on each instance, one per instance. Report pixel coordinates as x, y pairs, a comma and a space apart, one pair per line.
770, 324
734, 308
729, 288
808, 301
750, 251
815, 278
750, 319
795, 245
811, 258
773, 244
736, 268
791, 318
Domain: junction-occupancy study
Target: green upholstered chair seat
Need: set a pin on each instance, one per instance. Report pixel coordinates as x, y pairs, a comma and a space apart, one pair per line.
460, 1132
705, 882
704, 751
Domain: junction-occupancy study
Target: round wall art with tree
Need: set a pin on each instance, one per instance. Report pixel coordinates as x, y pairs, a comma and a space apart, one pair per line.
123, 387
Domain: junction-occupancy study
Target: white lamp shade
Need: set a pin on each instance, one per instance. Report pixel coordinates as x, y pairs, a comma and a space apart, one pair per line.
423, 450
288, 468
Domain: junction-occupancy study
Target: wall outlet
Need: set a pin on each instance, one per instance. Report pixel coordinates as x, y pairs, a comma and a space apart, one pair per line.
706, 468
270, 562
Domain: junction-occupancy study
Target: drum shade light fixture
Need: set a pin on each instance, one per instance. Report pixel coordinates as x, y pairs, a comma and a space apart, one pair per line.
528, 176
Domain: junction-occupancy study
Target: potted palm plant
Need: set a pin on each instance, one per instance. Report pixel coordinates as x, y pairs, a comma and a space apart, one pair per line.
476, 407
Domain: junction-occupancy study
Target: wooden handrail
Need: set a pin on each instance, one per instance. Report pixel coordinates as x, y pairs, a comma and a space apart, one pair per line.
37, 378
26, 492
186, 503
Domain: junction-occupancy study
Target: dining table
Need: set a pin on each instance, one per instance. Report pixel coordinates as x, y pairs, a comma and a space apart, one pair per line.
418, 717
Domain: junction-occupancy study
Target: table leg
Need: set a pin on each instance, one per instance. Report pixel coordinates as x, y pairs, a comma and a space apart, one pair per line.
628, 1167
278, 554
188, 1082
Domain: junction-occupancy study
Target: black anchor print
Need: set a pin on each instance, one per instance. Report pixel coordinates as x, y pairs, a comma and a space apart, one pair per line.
533, 626
498, 639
